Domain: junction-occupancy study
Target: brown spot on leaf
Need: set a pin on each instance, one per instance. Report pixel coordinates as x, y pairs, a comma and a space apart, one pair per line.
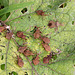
51, 24
9, 35
22, 49
1, 29
55, 25
45, 39
28, 53
37, 34
20, 62
36, 60
1, 7
40, 12
21, 35
46, 47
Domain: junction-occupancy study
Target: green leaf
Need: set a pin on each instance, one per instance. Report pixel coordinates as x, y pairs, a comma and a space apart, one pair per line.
63, 39
4, 2
14, 7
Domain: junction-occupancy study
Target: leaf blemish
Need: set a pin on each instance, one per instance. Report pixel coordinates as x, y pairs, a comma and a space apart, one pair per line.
1, 7
2, 46
63, 5
24, 10
40, 12
2, 57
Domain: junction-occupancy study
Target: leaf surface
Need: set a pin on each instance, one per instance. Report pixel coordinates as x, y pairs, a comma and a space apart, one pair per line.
63, 39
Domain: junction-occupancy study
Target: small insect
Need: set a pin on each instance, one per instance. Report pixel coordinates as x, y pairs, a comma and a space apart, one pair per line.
45, 40
20, 61
36, 60
2, 28
52, 55
22, 49
40, 12
46, 46
28, 53
9, 35
45, 60
21, 35
37, 33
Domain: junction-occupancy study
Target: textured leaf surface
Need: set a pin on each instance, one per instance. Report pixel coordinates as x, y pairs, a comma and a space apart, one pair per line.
63, 39
14, 7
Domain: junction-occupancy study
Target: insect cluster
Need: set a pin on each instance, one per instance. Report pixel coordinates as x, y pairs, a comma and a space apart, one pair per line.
26, 51
46, 41
37, 35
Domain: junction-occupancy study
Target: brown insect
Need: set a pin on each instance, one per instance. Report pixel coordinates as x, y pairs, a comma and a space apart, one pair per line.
22, 49
28, 53
46, 59
45, 40
21, 35
36, 60
40, 12
9, 35
20, 62
2, 28
37, 33
46, 47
